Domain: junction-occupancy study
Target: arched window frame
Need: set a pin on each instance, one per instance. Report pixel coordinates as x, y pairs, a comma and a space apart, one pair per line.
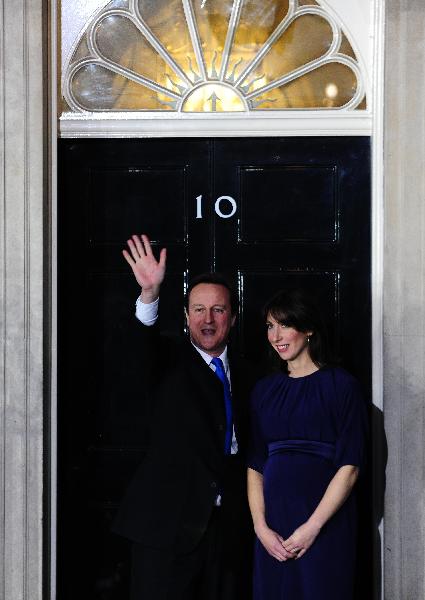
323, 121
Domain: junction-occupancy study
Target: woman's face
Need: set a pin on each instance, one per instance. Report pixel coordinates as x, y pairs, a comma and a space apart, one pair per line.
289, 343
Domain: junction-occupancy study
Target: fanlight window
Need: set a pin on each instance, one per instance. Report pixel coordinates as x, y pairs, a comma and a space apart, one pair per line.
212, 56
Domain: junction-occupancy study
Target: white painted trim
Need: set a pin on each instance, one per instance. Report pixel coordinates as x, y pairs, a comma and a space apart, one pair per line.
378, 205
53, 197
378, 232
3, 299
273, 123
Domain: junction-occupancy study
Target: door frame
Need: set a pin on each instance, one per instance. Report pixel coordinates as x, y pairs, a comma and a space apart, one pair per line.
219, 127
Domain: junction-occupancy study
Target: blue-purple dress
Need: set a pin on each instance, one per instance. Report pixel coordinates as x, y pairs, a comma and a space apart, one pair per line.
304, 430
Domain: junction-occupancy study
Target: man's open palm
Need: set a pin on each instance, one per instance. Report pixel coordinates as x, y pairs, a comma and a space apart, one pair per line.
148, 271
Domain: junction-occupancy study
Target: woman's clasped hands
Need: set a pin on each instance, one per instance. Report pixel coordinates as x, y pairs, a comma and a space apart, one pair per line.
294, 547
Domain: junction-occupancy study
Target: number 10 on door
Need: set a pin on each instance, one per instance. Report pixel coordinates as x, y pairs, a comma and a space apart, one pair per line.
221, 203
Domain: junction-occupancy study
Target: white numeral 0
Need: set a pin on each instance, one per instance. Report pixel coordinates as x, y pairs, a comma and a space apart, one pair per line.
217, 207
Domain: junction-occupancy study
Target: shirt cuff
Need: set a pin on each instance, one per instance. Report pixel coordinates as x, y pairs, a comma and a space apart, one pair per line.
147, 313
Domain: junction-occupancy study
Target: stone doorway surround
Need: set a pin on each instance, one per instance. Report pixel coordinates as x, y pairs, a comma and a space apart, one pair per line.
27, 293
23, 193
403, 299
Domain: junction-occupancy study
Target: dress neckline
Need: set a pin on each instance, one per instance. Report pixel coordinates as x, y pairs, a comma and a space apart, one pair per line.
304, 376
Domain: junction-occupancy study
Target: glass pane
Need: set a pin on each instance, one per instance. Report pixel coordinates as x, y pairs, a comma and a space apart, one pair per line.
97, 88
330, 86
346, 47
64, 106
212, 20
167, 22
307, 38
82, 50
362, 105
117, 4
122, 43
257, 22
214, 98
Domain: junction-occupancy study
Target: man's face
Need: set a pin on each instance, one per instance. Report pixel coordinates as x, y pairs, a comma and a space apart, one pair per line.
209, 317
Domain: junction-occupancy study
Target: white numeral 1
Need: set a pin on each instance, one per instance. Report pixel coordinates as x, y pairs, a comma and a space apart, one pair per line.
199, 207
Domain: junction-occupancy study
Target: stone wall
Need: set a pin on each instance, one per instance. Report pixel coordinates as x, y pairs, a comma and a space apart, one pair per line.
404, 382
21, 298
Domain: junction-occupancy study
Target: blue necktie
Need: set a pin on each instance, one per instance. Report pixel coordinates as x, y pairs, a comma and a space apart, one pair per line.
221, 374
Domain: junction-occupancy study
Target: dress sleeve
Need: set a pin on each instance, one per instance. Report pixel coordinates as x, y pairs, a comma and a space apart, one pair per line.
352, 426
257, 448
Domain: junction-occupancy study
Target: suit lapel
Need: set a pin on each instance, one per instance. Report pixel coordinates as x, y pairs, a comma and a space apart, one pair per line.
207, 393
206, 386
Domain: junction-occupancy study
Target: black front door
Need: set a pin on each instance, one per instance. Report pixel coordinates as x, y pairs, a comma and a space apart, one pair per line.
266, 212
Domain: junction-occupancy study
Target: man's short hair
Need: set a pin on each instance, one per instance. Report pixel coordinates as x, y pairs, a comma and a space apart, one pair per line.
216, 279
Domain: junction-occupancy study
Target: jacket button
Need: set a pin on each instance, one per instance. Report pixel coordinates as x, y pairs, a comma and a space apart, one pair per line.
214, 485
220, 428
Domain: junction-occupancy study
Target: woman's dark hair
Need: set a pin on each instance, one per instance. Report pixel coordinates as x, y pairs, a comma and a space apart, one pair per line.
295, 308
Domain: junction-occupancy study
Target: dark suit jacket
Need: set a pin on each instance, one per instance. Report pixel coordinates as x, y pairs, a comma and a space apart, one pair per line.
172, 495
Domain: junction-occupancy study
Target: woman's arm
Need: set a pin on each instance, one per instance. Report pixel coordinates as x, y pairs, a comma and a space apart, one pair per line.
336, 493
271, 541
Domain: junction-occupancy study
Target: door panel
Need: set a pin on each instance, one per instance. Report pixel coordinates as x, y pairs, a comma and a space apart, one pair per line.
300, 215
118, 195
303, 219
106, 192
273, 198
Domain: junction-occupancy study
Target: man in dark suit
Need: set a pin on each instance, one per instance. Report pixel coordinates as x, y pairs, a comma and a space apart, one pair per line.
186, 509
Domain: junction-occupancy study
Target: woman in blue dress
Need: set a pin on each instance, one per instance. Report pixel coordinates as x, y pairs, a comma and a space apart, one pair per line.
309, 423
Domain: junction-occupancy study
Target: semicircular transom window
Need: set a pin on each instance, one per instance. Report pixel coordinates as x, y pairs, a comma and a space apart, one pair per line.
213, 56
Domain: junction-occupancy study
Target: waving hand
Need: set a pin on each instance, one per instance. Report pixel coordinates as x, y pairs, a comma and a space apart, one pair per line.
148, 271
